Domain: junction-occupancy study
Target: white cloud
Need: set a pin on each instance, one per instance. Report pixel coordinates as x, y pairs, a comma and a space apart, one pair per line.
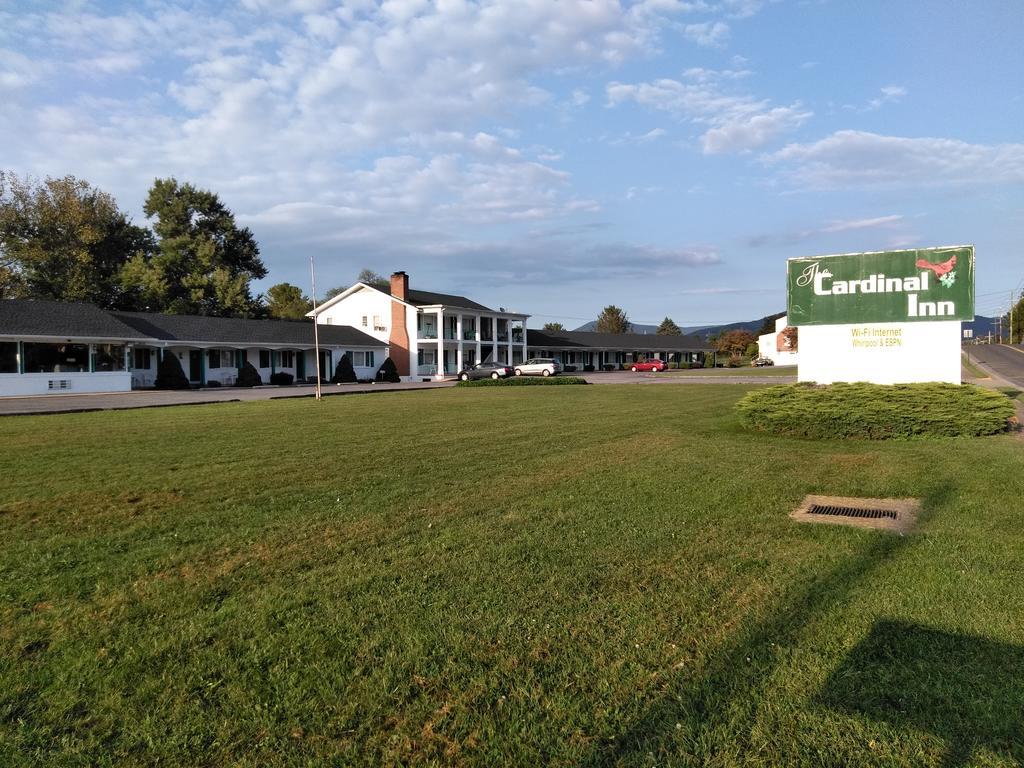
850, 224
710, 34
857, 158
737, 122
834, 226
746, 132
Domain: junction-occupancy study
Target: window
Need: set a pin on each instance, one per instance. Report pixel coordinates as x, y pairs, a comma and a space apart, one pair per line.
364, 321
365, 359
378, 324
108, 357
8, 357
287, 359
143, 358
264, 358
55, 358
213, 358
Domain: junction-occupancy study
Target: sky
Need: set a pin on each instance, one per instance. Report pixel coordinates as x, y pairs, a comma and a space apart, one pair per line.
550, 157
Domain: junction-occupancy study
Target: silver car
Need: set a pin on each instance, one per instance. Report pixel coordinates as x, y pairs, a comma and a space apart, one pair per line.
539, 366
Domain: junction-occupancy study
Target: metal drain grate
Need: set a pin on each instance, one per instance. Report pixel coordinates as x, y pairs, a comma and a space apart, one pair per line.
864, 513
897, 515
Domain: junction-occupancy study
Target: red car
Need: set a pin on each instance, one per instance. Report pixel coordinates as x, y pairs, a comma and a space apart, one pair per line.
649, 365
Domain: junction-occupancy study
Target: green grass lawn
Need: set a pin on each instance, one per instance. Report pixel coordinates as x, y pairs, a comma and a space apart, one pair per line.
973, 369
511, 576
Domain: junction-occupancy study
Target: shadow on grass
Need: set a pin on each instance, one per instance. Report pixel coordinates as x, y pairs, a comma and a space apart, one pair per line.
967, 690
688, 712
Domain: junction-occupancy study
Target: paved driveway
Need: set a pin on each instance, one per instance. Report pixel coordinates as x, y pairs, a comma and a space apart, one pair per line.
13, 406
20, 406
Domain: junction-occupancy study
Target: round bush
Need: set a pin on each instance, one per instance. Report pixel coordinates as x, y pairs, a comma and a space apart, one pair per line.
876, 411
248, 376
169, 374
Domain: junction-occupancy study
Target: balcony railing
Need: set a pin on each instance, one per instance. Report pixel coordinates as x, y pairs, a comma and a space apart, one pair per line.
517, 338
428, 333
426, 370
469, 335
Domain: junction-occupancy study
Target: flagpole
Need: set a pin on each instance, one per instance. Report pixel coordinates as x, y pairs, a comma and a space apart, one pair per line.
316, 328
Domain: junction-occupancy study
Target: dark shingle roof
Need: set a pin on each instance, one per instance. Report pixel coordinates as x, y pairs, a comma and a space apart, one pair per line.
421, 298
236, 331
639, 342
59, 319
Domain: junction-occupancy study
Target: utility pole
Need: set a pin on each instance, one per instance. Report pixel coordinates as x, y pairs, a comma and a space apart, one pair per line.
316, 326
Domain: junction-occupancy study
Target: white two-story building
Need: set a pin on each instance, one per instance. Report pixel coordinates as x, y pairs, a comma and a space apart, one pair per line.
428, 334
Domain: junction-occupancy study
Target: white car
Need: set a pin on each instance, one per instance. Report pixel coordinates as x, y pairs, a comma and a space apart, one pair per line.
539, 366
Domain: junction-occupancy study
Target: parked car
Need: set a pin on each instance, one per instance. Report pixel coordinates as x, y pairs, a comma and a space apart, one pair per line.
539, 366
649, 365
488, 370
762, 362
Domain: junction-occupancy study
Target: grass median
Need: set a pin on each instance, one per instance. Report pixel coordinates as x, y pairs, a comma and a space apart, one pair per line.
550, 575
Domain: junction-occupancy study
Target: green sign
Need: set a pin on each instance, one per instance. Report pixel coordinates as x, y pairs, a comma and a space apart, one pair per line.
883, 287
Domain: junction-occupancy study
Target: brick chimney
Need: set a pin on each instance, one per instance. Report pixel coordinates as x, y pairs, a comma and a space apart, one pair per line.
399, 285
399, 339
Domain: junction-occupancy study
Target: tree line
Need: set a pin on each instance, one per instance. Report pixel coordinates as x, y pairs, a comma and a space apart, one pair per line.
65, 240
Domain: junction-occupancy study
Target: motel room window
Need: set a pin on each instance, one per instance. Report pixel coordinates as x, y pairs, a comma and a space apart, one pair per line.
264, 358
143, 359
108, 357
8, 357
365, 320
212, 358
365, 359
287, 359
56, 358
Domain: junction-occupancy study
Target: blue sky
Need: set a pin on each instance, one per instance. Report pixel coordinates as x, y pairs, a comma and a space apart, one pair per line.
551, 157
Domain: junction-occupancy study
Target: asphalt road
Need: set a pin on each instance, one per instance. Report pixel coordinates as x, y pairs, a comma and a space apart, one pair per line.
1003, 360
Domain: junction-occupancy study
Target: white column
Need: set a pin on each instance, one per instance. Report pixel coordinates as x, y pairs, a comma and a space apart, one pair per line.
479, 327
494, 339
458, 335
524, 340
440, 343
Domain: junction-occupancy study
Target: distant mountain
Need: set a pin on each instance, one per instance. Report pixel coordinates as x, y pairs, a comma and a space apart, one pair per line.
637, 327
981, 326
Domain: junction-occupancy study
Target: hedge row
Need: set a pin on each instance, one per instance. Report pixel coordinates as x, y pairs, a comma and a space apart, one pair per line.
523, 381
876, 411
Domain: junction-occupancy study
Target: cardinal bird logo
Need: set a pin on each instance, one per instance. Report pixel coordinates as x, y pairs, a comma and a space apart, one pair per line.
944, 271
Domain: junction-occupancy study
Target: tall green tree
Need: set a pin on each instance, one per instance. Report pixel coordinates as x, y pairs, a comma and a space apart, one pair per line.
554, 327
63, 239
371, 278
287, 302
204, 262
669, 328
1013, 321
613, 320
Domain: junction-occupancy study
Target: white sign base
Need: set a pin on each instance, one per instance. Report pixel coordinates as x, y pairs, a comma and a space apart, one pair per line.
881, 353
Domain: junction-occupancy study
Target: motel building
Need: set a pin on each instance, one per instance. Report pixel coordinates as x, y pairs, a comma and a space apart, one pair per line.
600, 350
51, 347
430, 335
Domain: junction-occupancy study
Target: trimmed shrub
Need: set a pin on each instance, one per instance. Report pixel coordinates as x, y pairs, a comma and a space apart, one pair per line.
388, 372
569, 368
213, 383
344, 373
609, 367
523, 381
709, 361
281, 378
588, 368
169, 374
248, 376
876, 411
